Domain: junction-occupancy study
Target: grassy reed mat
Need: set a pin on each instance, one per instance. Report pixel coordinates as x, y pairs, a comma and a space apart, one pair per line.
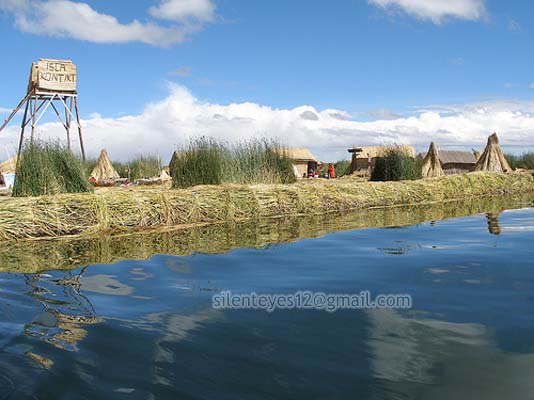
119, 211
61, 253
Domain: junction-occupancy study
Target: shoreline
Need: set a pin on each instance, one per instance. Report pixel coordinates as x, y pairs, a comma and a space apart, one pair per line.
33, 256
124, 210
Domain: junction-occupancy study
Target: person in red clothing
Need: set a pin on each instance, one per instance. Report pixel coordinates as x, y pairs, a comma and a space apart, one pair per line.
331, 171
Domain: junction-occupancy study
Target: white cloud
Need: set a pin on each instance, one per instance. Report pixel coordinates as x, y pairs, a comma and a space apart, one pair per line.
436, 11
5, 110
183, 10
66, 18
171, 122
531, 85
382, 113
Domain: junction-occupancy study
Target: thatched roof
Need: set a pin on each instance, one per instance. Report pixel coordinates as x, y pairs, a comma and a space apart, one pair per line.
104, 169
492, 159
299, 154
379, 151
457, 157
9, 166
431, 163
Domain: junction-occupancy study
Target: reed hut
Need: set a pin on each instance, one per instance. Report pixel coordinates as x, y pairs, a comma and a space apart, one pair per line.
104, 170
303, 161
457, 162
431, 163
492, 159
364, 157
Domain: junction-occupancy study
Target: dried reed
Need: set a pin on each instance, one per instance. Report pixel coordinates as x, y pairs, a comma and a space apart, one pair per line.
126, 210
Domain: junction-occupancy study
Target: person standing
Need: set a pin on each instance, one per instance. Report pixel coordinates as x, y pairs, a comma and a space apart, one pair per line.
331, 171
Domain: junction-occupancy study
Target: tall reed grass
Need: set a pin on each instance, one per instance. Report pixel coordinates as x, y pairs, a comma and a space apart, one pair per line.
144, 166
208, 162
48, 168
342, 167
525, 160
395, 165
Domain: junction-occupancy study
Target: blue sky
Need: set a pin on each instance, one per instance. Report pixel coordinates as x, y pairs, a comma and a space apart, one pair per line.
389, 66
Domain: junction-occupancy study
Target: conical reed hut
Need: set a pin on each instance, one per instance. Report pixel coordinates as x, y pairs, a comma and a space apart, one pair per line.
492, 159
104, 170
431, 163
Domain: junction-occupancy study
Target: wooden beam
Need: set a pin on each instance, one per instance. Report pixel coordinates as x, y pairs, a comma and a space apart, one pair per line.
46, 108
58, 115
34, 104
38, 109
15, 111
70, 112
67, 119
21, 141
79, 127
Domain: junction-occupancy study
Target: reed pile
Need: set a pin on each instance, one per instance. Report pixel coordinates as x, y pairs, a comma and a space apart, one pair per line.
103, 170
492, 159
130, 210
431, 165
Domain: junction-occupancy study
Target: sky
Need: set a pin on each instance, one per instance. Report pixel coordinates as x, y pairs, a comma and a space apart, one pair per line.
153, 74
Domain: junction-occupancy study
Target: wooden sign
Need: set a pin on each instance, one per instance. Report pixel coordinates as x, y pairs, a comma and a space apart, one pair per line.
54, 76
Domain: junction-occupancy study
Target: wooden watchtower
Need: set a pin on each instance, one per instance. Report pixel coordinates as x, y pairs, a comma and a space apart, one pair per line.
52, 84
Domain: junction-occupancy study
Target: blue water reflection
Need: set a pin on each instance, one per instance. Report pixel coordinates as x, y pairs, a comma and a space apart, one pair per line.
146, 329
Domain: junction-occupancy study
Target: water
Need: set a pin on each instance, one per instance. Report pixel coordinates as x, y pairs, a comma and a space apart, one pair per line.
146, 329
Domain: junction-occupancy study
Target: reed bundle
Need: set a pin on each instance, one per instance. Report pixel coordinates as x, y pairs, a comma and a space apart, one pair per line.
103, 169
431, 164
492, 159
116, 210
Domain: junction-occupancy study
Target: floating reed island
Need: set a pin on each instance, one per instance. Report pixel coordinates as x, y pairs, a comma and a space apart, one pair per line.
33, 256
120, 210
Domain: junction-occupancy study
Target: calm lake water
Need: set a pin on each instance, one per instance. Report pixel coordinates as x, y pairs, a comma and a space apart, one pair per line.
147, 329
